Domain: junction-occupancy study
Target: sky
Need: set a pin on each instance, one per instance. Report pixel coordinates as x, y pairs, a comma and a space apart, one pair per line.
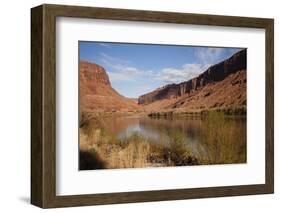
136, 69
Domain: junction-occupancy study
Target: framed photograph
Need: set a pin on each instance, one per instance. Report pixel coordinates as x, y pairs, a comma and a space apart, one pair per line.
136, 106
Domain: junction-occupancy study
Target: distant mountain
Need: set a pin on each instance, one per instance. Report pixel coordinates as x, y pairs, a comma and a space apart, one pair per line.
221, 85
96, 93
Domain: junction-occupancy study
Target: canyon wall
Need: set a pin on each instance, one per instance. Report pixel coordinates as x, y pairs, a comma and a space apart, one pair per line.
213, 74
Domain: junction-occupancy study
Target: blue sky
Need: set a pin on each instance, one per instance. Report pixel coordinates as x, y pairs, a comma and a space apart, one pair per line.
135, 69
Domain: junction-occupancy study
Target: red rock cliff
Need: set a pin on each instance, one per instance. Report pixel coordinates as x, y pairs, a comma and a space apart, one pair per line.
213, 74
96, 93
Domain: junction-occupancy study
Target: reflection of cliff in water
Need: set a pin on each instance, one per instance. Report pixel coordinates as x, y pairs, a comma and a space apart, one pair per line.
192, 130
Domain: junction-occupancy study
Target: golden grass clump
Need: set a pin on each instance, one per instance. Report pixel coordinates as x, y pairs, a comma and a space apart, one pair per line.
224, 142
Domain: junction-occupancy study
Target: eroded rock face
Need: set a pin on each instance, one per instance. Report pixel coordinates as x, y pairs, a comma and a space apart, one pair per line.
96, 93
213, 74
93, 73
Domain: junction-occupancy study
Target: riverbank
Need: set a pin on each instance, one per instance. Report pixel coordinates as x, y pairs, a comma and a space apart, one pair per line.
227, 111
221, 142
133, 152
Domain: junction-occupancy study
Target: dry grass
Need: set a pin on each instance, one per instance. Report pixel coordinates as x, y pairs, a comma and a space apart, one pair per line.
225, 143
129, 153
221, 143
132, 152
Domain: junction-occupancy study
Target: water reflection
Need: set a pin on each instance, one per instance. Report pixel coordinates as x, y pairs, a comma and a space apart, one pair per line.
195, 131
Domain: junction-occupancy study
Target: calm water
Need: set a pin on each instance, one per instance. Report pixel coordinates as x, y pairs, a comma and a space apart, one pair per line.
194, 130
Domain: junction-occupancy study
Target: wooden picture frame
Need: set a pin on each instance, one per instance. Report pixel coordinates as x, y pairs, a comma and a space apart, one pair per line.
43, 105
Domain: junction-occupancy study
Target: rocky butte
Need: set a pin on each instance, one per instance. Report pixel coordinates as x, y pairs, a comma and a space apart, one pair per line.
97, 94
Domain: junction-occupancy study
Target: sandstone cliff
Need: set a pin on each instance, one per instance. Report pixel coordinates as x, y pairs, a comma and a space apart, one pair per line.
221, 85
96, 93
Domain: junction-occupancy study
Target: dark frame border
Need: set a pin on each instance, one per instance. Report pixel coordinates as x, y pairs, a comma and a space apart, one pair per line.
43, 105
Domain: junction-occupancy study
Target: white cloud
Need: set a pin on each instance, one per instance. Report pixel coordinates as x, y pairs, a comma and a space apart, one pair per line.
122, 70
104, 45
113, 76
107, 59
209, 55
185, 73
123, 73
205, 58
